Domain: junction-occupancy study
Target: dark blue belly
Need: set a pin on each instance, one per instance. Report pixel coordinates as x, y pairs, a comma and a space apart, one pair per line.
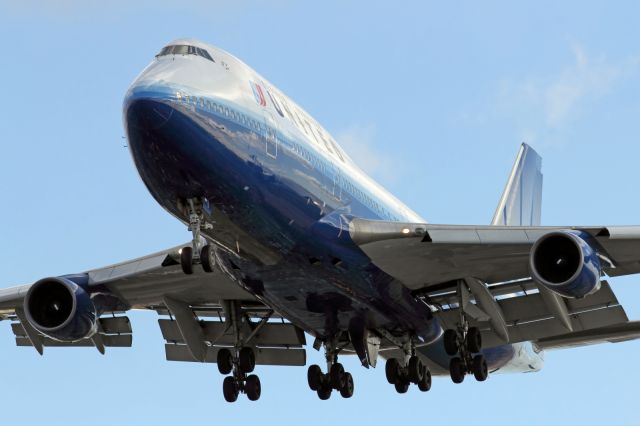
321, 281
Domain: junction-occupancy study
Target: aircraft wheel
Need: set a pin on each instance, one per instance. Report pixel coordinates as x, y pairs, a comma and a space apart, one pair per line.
480, 369
186, 260
314, 377
450, 342
207, 258
253, 388
225, 361
392, 370
347, 389
247, 360
456, 370
402, 386
336, 374
474, 340
425, 383
324, 392
414, 368
230, 389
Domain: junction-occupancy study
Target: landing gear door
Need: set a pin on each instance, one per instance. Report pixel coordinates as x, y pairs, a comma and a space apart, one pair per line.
270, 135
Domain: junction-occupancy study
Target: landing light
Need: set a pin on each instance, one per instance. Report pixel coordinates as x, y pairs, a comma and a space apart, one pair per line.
405, 230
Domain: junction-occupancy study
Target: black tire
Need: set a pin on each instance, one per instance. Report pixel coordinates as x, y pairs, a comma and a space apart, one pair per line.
253, 388
450, 342
186, 260
474, 340
247, 360
347, 389
336, 374
314, 377
206, 258
225, 361
392, 370
480, 368
229, 389
402, 386
425, 384
324, 392
414, 369
456, 370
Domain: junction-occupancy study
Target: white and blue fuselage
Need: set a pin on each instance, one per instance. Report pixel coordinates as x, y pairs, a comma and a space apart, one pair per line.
281, 193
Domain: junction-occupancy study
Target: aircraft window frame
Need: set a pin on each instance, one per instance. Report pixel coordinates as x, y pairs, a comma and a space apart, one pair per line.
185, 49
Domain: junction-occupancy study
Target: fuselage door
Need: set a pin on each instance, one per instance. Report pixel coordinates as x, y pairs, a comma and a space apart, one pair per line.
270, 135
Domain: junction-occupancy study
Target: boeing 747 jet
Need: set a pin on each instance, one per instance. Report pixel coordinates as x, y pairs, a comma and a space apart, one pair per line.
290, 238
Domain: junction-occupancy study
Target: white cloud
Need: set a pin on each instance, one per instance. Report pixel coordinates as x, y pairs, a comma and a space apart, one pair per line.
358, 140
547, 105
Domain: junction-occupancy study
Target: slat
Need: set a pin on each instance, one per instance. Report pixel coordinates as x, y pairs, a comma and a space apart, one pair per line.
119, 341
264, 356
270, 335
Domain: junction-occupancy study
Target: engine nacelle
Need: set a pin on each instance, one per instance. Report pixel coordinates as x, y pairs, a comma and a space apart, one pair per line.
60, 309
566, 264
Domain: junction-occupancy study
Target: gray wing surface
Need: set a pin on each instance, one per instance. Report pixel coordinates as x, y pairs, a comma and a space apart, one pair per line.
421, 255
507, 305
143, 282
194, 309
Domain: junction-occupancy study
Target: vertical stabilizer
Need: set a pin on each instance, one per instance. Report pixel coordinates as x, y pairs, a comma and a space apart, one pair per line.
521, 201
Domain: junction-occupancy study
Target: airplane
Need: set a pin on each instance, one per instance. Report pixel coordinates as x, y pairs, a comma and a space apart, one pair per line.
290, 238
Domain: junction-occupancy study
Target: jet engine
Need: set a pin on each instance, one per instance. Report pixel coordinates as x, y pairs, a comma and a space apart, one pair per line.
60, 309
566, 264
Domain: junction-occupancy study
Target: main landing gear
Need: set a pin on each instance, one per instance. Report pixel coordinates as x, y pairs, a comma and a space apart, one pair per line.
403, 373
335, 378
197, 252
464, 344
240, 363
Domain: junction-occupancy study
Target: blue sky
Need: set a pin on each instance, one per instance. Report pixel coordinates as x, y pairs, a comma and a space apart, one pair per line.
431, 98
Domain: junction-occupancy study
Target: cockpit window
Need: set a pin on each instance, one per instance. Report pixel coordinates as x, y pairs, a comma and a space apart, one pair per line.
183, 49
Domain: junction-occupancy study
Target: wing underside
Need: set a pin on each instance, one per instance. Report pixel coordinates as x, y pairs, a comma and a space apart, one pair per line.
195, 312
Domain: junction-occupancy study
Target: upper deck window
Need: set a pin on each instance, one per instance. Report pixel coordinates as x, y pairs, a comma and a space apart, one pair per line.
183, 49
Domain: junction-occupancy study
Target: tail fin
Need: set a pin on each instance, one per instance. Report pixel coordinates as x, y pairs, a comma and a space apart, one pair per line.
521, 201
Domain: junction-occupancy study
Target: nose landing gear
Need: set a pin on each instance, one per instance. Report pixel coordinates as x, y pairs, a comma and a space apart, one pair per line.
197, 252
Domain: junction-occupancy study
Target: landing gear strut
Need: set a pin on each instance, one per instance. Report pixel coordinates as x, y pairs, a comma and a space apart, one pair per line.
197, 252
335, 378
412, 370
240, 361
464, 344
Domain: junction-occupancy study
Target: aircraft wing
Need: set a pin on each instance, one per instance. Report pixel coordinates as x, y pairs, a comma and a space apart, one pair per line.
493, 262
421, 255
194, 310
143, 282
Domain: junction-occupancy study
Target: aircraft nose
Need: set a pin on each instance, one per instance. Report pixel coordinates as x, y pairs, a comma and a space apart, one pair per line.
149, 114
